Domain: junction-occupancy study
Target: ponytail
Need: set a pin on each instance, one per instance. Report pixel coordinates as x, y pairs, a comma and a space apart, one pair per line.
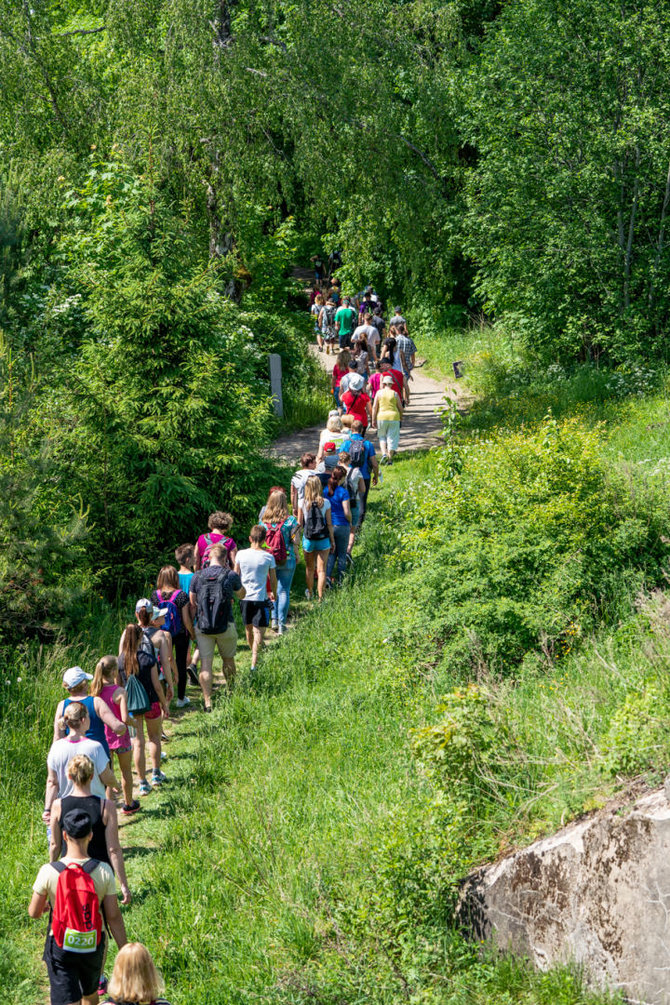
103, 674
336, 476
131, 641
144, 616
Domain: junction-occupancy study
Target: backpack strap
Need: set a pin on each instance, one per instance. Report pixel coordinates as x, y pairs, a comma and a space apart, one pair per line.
58, 866
90, 866
172, 598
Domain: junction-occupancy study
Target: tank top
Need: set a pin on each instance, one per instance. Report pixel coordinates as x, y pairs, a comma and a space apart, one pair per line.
144, 664
387, 404
93, 806
96, 731
114, 741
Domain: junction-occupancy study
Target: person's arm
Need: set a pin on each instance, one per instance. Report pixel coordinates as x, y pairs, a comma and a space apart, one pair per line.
104, 712
346, 507
368, 411
237, 569
301, 518
374, 464
158, 688
58, 732
188, 620
197, 563
114, 919
232, 557
38, 905
108, 778
398, 403
121, 699
375, 410
329, 525
56, 841
50, 794
193, 603
273, 581
114, 848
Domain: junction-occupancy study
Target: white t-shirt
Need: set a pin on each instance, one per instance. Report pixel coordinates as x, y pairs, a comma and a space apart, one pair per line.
299, 481
254, 567
62, 752
326, 436
370, 332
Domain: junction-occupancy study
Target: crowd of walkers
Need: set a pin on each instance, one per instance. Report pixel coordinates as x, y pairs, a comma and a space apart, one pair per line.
115, 717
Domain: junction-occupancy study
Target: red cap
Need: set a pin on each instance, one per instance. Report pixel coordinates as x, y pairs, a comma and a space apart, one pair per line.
329, 446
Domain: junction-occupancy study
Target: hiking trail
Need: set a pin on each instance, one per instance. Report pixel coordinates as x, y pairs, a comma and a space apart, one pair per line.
421, 427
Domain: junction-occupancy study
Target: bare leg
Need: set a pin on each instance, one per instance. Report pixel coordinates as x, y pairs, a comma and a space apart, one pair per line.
259, 635
321, 561
154, 729
138, 749
125, 759
206, 680
229, 670
249, 632
310, 565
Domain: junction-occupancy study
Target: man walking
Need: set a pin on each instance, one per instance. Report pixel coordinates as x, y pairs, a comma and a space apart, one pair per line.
254, 566
345, 321
362, 455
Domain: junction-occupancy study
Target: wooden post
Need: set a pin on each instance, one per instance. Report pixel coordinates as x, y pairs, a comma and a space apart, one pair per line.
275, 384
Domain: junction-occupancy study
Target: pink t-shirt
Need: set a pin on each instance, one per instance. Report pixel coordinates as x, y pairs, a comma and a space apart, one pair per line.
114, 742
214, 537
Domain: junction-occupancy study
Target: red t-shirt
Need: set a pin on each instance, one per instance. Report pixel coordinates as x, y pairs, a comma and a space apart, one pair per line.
356, 405
398, 381
338, 374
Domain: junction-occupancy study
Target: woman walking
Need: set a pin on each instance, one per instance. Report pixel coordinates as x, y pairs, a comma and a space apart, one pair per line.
361, 354
276, 518
137, 662
333, 433
338, 496
340, 370
387, 411
318, 538
355, 485
76, 720
104, 845
315, 311
178, 622
106, 686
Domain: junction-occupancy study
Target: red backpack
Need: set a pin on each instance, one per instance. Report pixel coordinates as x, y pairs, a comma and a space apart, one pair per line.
276, 545
76, 919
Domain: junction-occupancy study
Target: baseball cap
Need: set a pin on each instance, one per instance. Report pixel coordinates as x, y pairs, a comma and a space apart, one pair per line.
76, 824
146, 605
388, 379
397, 309
75, 676
329, 446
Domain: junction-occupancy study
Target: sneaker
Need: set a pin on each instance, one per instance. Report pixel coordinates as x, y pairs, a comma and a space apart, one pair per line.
274, 626
163, 756
281, 630
145, 788
183, 702
308, 594
207, 708
164, 737
383, 459
102, 985
158, 778
133, 807
192, 672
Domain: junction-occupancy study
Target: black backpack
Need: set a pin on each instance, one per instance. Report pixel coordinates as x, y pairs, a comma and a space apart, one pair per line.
214, 596
357, 453
316, 528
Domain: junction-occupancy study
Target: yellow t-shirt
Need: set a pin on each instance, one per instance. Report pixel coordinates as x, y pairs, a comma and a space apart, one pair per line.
47, 880
387, 404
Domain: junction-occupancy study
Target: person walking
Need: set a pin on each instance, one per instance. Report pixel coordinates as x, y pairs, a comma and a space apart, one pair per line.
219, 524
277, 520
326, 321
355, 486
387, 412
333, 433
397, 320
340, 509
74, 973
105, 845
340, 370
345, 322
400, 383
318, 537
371, 334
101, 716
136, 661
255, 566
185, 555
106, 686
357, 403
299, 480
315, 311
362, 455
76, 721
211, 594
361, 356
135, 979
170, 596
406, 350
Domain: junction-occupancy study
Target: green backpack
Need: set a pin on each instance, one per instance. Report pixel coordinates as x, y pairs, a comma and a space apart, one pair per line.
138, 699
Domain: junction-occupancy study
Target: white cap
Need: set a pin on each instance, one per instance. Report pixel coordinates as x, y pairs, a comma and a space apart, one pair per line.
75, 676
387, 379
143, 604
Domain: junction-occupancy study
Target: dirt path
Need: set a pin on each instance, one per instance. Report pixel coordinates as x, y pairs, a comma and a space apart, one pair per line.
421, 426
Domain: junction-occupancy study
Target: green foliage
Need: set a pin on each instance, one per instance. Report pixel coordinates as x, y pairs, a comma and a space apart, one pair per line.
637, 732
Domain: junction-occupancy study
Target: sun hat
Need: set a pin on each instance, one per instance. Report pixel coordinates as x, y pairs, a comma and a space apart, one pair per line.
388, 379
74, 677
356, 383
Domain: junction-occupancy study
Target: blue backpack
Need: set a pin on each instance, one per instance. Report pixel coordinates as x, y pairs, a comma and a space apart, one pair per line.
173, 622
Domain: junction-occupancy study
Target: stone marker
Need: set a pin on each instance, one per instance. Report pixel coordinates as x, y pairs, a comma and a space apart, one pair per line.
275, 384
596, 893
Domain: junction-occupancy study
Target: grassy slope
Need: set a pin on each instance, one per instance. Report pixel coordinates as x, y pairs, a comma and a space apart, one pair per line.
272, 868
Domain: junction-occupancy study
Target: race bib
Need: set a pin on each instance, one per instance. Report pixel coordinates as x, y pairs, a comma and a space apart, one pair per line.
80, 942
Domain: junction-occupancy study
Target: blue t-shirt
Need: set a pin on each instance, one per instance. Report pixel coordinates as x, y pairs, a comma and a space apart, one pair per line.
369, 452
185, 580
339, 496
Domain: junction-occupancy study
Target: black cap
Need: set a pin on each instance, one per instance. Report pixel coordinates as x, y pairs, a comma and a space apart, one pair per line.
76, 824
353, 363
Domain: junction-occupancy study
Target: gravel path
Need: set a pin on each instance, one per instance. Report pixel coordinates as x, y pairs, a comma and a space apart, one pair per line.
421, 426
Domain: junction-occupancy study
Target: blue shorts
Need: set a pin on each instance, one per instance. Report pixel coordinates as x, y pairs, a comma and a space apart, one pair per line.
323, 545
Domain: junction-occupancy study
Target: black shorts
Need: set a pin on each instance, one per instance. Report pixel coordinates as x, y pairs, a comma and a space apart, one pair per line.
256, 613
72, 975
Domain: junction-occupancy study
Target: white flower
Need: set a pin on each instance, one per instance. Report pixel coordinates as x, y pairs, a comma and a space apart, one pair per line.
18, 679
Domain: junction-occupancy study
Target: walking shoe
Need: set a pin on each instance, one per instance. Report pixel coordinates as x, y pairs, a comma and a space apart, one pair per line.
281, 630
158, 778
164, 737
192, 672
308, 594
383, 459
102, 985
145, 788
183, 702
129, 808
274, 626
